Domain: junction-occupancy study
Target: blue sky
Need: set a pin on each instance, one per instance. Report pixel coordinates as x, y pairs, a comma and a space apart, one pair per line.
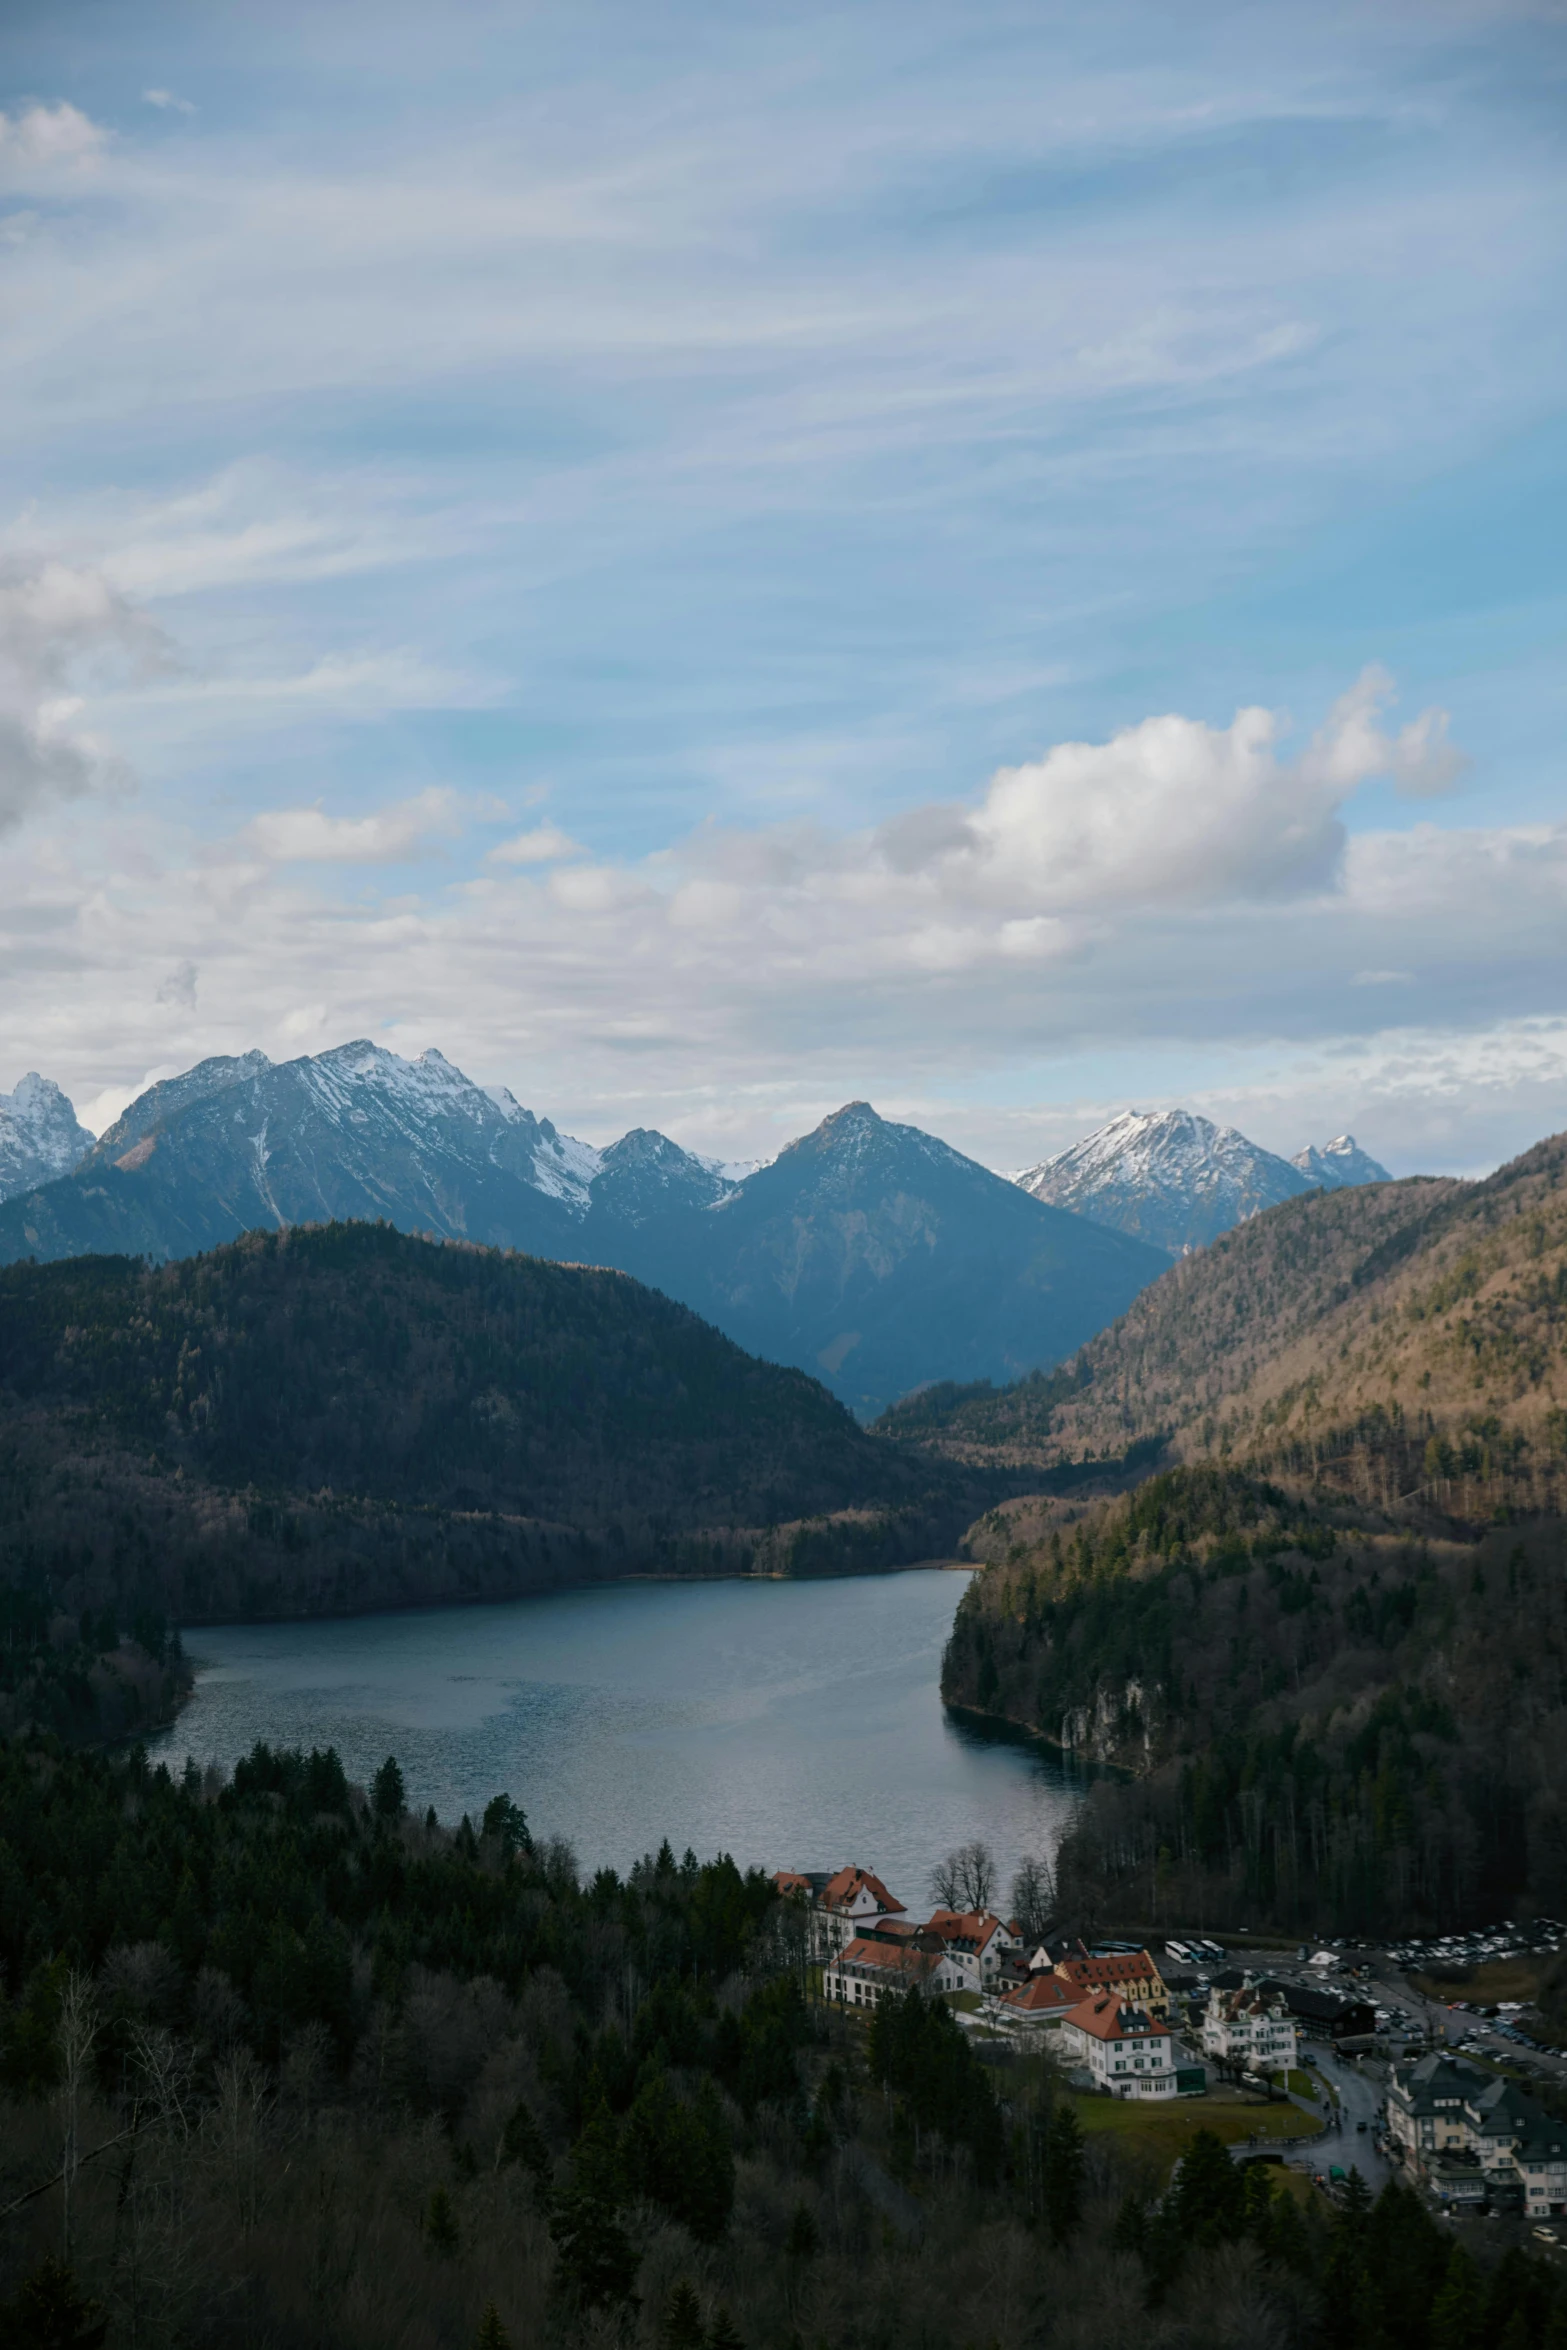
707, 564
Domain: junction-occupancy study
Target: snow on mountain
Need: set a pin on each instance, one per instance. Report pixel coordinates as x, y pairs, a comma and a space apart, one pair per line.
40, 1137
1168, 1177
1339, 1163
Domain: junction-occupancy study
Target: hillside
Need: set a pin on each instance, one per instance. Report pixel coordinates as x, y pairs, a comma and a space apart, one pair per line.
1405, 1340
344, 1417
868, 1254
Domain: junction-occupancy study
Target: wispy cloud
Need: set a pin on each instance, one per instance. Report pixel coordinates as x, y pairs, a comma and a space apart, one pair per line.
391, 835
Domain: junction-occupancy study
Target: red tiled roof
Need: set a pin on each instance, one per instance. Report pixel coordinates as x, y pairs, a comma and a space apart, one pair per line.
1041, 1995
841, 1889
893, 1957
1105, 1973
966, 1925
1107, 2019
791, 1881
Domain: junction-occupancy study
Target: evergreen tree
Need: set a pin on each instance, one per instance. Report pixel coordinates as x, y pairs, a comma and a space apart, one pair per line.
802, 2240
597, 2260
1457, 2313
440, 2226
492, 2335
522, 2141
388, 1795
723, 2334
1063, 2180
49, 2313
682, 2328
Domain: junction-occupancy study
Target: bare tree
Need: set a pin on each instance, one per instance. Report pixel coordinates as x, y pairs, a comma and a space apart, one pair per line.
966, 1879
1033, 1897
75, 2036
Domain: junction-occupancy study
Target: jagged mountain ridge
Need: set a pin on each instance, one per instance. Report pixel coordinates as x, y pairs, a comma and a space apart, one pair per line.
1177, 1181
40, 1136
869, 1254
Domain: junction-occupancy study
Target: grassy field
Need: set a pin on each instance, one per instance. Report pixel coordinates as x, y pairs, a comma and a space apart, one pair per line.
1300, 2083
1499, 1978
1166, 2130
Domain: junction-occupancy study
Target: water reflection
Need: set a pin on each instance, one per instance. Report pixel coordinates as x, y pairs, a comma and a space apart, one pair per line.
788, 1723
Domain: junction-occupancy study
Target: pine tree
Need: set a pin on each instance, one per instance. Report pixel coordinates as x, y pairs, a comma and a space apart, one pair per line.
492, 2335
50, 2313
682, 2326
1063, 2179
387, 1792
522, 2141
1457, 2312
598, 2262
440, 2226
803, 2238
723, 2334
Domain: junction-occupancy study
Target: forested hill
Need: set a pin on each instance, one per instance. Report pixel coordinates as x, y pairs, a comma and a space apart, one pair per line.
1402, 1340
1332, 1724
343, 1416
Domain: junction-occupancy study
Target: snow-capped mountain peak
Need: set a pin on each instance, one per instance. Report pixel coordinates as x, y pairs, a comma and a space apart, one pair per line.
1339, 1163
40, 1136
1168, 1176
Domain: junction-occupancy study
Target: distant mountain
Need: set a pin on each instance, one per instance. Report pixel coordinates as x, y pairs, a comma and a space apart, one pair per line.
879, 1258
1338, 1163
1177, 1181
39, 1135
869, 1254
347, 1417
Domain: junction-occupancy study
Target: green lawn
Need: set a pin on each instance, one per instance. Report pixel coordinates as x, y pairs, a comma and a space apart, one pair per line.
1166, 2130
1299, 2084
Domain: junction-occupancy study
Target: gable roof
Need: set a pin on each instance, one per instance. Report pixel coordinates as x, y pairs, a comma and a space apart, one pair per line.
893, 1958
965, 1925
1107, 2019
1106, 1971
1041, 1995
841, 1889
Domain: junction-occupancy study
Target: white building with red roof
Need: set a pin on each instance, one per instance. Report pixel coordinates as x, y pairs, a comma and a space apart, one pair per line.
884, 1966
839, 1905
977, 1941
1041, 2003
1126, 2051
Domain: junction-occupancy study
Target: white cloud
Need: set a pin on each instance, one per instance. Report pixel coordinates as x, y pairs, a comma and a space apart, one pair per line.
285, 836
542, 846
47, 139
57, 625
168, 102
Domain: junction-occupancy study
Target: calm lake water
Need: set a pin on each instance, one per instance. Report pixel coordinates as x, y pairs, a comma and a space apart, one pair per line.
792, 1724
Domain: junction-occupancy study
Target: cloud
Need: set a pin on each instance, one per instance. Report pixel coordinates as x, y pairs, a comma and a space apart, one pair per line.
47, 139
180, 987
59, 624
541, 846
168, 102
284, 836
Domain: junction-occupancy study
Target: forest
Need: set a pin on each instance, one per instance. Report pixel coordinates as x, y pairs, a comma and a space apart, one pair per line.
342, 1417
1321, 1723
284, 2063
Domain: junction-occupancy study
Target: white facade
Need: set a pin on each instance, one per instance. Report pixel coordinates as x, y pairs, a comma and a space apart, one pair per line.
1242, 2027
1125, 2051
868, 1971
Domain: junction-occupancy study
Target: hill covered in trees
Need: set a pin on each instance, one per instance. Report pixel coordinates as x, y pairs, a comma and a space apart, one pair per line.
1400, 1341
1328, 1637
343, 1416
282, 2062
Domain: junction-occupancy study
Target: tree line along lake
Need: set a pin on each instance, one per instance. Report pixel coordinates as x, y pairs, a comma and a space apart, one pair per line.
793, 1724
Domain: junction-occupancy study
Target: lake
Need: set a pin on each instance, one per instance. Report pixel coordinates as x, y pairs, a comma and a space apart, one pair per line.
792, 1724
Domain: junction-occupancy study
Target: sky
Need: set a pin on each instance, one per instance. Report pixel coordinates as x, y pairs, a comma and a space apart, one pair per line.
1006, 561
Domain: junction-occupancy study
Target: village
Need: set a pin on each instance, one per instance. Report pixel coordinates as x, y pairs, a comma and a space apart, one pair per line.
1311, 2061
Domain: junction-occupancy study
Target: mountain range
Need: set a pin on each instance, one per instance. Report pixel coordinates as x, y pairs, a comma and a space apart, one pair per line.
868, 1253
1177, 1181
40, 1137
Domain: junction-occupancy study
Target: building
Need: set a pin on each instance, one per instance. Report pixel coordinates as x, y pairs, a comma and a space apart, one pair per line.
838, 1905
1041, 2002
1476, 2139
875, 1967
1127, 1975
978, 1942
1125, 2051
1249, 2027
1325, 2015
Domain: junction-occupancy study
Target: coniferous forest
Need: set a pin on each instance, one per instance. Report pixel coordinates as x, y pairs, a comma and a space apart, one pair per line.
286, 2064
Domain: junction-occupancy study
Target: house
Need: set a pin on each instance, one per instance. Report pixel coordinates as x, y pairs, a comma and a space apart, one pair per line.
876, 1967
838, 1905
1325, 2015
977, 1941
1475, 2138
1040, 2003
1127, 2053
1249, 2027
1128, 1975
